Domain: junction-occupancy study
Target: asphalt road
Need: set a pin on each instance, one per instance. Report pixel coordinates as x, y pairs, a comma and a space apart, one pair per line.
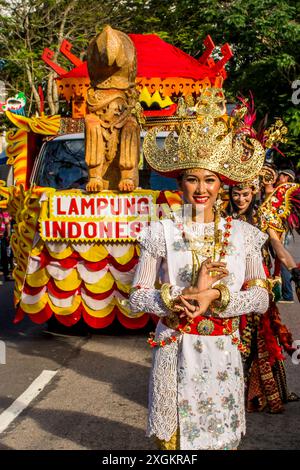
98, 396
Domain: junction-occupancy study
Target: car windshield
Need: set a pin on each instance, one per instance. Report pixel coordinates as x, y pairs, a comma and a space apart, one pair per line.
63, 165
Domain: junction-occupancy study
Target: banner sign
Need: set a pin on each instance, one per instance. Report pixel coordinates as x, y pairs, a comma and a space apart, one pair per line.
101, 216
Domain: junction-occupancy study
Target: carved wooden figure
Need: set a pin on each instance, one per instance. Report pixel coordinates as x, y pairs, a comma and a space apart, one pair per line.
112, 131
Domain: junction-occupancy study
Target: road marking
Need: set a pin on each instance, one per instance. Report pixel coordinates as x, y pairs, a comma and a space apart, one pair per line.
7, 416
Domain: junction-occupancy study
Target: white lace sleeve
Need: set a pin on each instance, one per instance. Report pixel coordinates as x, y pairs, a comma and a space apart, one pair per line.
255, 299
144, 297
152, 238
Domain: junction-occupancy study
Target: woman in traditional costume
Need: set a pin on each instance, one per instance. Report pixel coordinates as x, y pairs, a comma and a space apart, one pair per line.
211, 272
264, 336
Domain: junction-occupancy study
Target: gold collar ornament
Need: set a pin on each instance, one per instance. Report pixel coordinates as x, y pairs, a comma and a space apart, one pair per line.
208, 141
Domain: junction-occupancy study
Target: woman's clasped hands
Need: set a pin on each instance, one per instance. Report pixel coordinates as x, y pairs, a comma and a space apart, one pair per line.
195, 301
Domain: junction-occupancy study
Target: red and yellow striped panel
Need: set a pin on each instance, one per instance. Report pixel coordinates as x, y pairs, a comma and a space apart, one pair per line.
75, 280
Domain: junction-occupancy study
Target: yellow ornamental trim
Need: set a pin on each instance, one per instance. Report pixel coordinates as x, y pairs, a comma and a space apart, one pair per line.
123, 287
62, 254
35, 308
17, 155
45, 125
97, 252
103, 285
36, 251
17, 297
24, 208
127, 257
66, 310
98, 313
71, 282
38, 279
5, 193
18, 141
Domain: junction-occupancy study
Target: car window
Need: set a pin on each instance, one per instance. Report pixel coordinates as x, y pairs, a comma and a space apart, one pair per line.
62, 165
150, 179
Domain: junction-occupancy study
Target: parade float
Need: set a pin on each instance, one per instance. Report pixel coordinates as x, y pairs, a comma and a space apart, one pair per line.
75, 247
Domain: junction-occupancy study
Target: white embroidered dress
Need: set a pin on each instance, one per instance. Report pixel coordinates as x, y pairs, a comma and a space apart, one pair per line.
197, 382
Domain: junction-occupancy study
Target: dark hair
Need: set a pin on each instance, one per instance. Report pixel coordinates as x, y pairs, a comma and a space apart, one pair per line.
180, 175
232, 208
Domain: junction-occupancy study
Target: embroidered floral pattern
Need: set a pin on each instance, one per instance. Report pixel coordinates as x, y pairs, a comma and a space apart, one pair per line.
153, 240
215, 427
198, 345
191, 431
220, 344
179, 245
229, 280
235, 422
228, 401
199, 378
206, 406
185, 273
184, 409
222, 376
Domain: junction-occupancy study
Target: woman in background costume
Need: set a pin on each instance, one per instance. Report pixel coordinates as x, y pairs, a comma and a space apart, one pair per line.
264, 336
210, 272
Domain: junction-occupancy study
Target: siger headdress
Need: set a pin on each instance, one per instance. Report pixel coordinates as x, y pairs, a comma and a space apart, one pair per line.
210, 140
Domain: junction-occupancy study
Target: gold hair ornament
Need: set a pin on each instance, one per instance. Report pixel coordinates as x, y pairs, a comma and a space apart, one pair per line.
276, 134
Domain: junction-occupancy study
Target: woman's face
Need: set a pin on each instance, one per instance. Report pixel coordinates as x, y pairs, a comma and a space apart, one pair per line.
242, 198
200, 188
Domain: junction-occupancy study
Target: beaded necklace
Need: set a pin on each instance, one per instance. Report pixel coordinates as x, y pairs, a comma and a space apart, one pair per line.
207, 246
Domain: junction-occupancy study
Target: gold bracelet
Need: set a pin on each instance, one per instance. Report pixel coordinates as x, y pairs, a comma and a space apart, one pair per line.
165, 295
167, 299
221, 304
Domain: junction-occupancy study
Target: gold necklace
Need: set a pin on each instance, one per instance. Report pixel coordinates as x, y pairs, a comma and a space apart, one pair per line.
219, 247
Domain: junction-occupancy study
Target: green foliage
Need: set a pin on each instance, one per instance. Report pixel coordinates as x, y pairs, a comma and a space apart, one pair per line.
263, 34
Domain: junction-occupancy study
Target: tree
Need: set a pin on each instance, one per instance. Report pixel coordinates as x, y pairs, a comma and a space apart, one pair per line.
28, 26
264, 36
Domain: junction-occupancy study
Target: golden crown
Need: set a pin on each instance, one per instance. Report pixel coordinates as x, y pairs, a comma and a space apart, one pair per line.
211, 140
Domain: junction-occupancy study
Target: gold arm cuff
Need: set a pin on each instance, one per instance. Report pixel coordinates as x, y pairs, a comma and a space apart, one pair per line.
221, 304
263, 283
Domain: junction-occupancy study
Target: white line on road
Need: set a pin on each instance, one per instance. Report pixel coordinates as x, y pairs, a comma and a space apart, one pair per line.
7, 416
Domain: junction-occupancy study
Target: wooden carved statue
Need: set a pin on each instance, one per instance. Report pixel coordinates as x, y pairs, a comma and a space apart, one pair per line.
112, 132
